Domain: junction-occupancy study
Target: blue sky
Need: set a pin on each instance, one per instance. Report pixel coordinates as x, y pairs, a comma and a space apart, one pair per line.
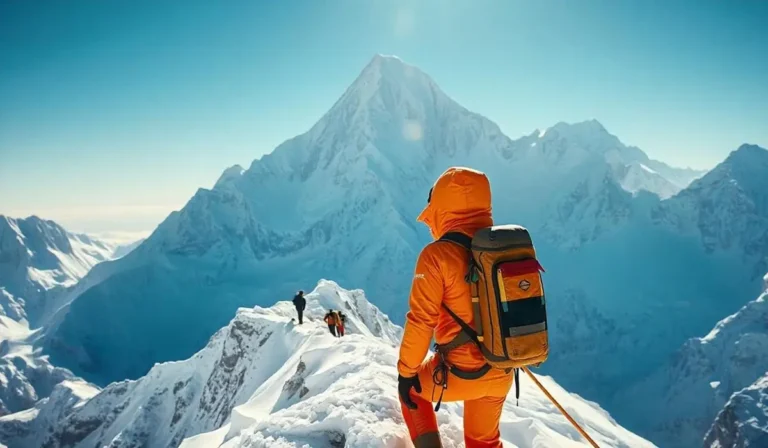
112, 113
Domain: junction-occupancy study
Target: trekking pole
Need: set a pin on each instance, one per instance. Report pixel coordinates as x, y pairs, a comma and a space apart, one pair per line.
561, 409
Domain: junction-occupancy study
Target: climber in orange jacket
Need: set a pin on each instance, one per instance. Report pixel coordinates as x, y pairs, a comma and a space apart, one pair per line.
330, 319
460, 201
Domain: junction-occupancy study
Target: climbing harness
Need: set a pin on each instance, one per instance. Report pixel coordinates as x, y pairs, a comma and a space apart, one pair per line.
443, 368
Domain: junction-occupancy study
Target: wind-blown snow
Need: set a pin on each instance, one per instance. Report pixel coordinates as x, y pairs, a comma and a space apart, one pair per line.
265, 381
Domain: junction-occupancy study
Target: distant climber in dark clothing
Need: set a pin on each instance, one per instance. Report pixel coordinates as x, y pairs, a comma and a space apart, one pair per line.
300, 303
330, 319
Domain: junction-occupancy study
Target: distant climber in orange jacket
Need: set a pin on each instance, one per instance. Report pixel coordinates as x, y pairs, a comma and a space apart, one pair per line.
460, 201
330, 319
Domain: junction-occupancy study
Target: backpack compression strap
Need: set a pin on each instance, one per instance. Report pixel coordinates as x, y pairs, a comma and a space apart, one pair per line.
472, 276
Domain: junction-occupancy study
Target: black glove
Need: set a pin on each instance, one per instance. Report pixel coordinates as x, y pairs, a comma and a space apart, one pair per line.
404, 386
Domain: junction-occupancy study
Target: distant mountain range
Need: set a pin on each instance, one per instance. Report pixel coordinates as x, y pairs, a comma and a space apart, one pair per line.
40, 265
39, 259
640, 256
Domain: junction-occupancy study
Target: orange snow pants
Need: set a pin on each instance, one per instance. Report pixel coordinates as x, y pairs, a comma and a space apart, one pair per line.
483, 400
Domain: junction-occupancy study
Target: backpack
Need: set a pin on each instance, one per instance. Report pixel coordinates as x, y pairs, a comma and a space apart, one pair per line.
509, 309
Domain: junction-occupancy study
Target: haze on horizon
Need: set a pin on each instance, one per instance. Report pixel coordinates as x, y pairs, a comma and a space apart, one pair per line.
112, 115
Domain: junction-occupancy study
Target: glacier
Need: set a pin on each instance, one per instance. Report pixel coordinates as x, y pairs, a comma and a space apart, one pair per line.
264, 381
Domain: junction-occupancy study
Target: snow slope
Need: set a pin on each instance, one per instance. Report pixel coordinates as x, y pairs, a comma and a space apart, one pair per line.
264, 381
677, 404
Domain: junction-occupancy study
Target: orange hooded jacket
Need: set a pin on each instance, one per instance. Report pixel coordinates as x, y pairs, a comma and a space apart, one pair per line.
460, 201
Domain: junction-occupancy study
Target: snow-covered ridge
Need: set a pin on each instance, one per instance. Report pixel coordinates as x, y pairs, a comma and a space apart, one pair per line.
265, 381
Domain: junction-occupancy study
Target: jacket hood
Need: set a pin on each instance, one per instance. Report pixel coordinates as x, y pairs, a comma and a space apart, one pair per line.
460, 201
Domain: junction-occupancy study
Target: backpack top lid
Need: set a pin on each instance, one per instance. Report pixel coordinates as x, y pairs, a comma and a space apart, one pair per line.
501, 238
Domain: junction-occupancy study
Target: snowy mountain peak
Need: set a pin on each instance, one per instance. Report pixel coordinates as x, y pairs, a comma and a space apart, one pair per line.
382, 118
727, 207
391, 69
381, 63
745, 163
745, 170
231, 174
34, 229
584, 128
39, 255
748, 152
593, 138
749, 163
387, 85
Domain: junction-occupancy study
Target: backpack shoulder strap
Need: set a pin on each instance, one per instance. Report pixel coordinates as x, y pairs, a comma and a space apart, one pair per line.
459, 238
